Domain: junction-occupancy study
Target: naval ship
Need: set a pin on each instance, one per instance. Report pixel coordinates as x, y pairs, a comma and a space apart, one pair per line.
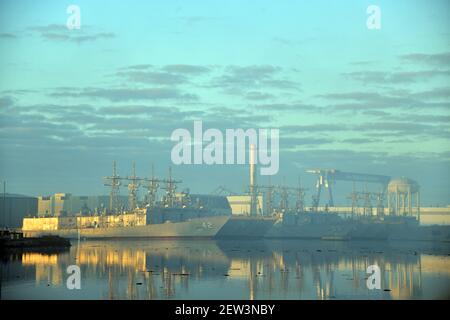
399, 221
332, 226
174, 215
185, 215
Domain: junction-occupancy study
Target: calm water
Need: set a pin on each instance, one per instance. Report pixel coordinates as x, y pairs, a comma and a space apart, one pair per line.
230, 270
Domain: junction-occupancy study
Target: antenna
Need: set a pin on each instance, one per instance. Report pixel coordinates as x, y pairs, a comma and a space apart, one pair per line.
170, 187
300, 197
4, 202
253, 196
114, 182
133, 186
152, 189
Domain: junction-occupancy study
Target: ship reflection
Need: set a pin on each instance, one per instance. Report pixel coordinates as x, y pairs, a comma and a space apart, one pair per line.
239, 269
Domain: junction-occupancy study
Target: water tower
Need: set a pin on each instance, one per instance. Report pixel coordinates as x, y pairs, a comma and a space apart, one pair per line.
403, 196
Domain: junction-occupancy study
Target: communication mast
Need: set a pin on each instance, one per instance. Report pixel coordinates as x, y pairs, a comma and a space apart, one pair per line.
354, 197
152, 189
284, 196
170, 187
269, 193
114, 182
300, 203
133, 186
253, 188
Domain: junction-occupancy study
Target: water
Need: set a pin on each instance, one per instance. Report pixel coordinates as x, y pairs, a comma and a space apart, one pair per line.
206, 269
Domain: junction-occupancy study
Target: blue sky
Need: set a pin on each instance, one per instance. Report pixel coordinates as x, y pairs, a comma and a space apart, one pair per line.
343, 96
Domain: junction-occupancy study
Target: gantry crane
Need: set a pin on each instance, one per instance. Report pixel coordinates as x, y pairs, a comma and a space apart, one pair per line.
327, 177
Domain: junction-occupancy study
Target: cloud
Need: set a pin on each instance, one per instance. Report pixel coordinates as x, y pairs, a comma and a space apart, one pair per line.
382, 77
420, 118
385, 129
440, 59
317, 127
186, 69
126, 94
435, 93
162, 78
173, 74
362, 63
281, 84
138, 110
287, 143
63, 128
360, 140
239, 80
85, 126
251, 73
359, 101
60, 33
138, 67
392, 128
6, 35
282, 107
284, 41
257, 95
375, 113
6, 102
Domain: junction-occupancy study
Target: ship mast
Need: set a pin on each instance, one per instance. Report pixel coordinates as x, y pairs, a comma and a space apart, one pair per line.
253, 196
114, 182
284, 196
300, 204
269, 195
133, 186
170, 187
152, 189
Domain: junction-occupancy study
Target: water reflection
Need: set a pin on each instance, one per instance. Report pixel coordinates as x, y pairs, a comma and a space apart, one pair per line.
230, 270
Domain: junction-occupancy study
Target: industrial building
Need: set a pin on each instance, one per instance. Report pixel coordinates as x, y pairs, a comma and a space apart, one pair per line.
241, 204
62, 204
217, 204
403, 197
15, 207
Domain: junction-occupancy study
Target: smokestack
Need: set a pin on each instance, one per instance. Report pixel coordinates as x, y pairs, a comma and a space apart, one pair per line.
253, 199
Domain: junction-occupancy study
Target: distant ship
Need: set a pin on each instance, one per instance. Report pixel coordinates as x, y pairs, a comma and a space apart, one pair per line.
185, 215
176, 215
156, 222
332, 226
400, 222
196, 224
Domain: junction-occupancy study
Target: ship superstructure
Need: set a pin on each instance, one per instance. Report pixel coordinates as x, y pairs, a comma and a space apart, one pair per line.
391, 212
172, 214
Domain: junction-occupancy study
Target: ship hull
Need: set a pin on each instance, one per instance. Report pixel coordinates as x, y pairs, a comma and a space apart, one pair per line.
359, 231
204, 227
324, 232
245, 227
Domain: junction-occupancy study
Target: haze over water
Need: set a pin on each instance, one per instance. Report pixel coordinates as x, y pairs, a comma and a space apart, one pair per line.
260, 269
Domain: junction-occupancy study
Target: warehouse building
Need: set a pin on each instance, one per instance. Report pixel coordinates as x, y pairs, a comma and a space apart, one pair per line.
241, 204
63, 204
15, 207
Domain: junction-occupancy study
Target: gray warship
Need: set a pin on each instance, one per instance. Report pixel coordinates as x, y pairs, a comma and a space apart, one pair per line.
367, 219
174, 215
399, 221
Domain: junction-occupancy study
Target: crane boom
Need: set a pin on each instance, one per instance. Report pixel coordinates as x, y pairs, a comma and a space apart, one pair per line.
327, 178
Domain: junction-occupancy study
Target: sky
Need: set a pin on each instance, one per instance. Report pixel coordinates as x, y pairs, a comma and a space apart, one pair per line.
343, 96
